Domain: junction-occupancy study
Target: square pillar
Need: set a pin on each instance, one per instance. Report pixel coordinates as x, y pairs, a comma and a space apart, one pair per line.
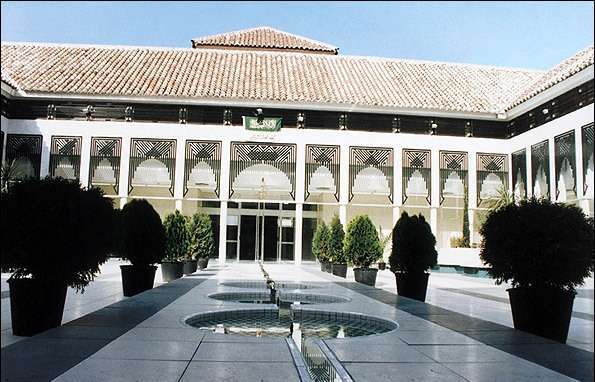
222, 232
529, 173
44, 165
179, 178
297, 239
552, 174
124, 171
435, 175
472, 192
85, 161
344, 191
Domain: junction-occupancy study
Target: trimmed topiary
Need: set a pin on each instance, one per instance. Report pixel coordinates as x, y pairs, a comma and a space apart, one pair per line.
362, 245
202, 242
320, 248
55, 231
538, 243
414, 245
142, 234
336, 238
177, 237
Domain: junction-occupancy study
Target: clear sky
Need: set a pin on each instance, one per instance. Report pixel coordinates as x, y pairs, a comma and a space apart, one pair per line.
529, 35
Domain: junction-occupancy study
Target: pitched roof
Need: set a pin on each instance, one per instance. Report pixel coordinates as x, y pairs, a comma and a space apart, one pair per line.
261, 76
557, 74
263, 38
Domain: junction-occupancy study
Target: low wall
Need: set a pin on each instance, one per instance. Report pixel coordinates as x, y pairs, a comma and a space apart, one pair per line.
465, 257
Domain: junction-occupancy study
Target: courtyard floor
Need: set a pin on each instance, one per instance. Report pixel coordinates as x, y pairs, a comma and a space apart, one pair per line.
462, 333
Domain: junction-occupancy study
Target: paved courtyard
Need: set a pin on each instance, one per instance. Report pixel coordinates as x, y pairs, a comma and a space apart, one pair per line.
462, 333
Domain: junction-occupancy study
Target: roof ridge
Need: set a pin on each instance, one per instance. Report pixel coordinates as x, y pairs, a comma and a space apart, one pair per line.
273, 53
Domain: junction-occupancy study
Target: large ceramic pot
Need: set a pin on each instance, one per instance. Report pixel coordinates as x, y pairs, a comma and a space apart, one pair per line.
137, 278
189, 267
35, 306
172, 270
412, 285
545, 312
203, 262
339, 270
382, 265
365, 275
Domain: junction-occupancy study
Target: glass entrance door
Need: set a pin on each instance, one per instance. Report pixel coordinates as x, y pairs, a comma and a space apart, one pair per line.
248, 237
269, 229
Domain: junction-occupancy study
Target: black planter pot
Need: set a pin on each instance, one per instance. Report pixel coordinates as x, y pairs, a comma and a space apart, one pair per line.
203, 262
365, 275
339, 270
137, 278
328, 267
35, 306
381, 266
545, 312
412, 285
172, 270
189, 267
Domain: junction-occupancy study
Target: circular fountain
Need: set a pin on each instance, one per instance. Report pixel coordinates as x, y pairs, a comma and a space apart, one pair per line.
285, 297
255, 284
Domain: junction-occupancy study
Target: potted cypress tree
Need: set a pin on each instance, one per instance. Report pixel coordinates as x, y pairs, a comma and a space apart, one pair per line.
202, 242
337, 256
176, 246
320, 246
56, 236
545, 250
413, 254
362, 247
142, 242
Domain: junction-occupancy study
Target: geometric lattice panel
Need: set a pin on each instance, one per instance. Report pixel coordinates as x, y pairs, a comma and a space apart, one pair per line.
152, 163
587, 143
104, 164
453, 173
417, 162
65, 157
540, 169
202, 167
565, 156
519, 173
490, 169
322, 164
375, 163
26, 151
280, 156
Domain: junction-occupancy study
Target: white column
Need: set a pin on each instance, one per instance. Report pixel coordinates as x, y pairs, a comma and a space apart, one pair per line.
397, 183
44, 166
435, 172
124, 170
529, 173
344, 191
85, 160
4, 140
297, 240
580, 181
552, 174
472, 178
222, 232
223, 196
179, 178
300, 180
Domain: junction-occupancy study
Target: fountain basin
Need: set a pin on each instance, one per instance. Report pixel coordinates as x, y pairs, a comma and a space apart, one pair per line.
264, 297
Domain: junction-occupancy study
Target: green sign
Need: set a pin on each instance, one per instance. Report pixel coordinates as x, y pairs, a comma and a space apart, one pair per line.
267, 124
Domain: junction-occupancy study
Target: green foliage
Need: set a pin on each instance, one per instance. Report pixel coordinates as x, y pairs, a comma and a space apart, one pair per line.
458, 242
142, 237
202, 242
336, 238
177, 237
362, 245
414, 245
320, 243
55, 231
9, 174
538, 243
504, 199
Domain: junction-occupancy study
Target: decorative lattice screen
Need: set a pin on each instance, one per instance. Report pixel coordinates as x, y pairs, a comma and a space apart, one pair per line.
564, 149
488, 165
452, 161
322, 157
587, 140
519, 166
417, 161
65, 157
104, 165
163, 151
202, 152
381, 159
540, 159
26, 149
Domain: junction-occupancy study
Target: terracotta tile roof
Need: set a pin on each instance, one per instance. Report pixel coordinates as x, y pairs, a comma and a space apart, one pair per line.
263, 38
262, 76
557, 74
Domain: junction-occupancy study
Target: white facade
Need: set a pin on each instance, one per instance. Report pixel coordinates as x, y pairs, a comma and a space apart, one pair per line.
369, 189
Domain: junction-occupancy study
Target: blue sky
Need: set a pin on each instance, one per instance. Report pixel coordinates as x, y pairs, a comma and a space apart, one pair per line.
527, 34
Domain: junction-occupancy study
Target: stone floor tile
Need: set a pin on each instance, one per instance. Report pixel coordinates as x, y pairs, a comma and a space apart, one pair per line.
241, 372
231, 352
353, 352
110, 370
401, 372
149, 350
516, 370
